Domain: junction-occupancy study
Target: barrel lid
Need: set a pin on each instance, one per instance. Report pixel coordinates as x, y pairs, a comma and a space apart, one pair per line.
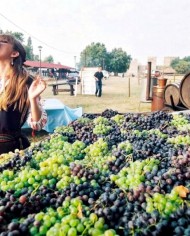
185, 90
172, 90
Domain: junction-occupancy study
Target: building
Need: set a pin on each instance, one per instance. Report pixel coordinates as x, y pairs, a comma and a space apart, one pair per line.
168, 60
169, 71
48, 69
153, 61
133, 68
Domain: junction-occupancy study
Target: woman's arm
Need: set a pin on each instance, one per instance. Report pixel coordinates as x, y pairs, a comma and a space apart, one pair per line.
37, 121
36, 111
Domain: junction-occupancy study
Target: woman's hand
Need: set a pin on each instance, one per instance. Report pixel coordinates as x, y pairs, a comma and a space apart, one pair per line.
36, 88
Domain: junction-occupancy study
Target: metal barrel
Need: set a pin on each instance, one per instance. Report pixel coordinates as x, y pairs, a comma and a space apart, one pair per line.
157, 98
162, 82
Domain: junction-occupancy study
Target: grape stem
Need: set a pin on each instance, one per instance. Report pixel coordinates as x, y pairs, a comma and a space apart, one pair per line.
37, 187
87, 227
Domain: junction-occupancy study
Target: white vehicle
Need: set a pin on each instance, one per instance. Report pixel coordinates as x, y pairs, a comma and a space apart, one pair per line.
106, 74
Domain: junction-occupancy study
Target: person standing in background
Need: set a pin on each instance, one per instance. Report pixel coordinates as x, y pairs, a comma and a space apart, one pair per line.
98, 78
154, 81
157, 74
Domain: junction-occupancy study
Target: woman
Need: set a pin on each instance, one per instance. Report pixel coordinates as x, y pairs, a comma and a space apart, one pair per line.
19, 96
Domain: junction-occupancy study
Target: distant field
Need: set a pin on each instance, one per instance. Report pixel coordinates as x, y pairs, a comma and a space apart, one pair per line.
115, 96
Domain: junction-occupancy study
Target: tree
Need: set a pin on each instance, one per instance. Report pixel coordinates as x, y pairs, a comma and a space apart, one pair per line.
119, 61
186, 58
49, 59
94, 55
19, 36
174, 62
181, 66
29, 50
36, 58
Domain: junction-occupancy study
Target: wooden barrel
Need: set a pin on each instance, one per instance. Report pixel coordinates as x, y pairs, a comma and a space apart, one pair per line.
184, 90
172, 90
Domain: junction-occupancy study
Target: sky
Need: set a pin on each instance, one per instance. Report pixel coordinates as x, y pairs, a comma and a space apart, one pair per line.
63, 28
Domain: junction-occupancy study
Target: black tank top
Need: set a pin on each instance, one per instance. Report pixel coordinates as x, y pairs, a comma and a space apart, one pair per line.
12, 120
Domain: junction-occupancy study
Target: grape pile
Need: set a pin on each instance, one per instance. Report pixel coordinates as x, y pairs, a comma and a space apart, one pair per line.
88, 192
119, 119
84, 172
67, 132
111, 205
23, 203
102, 126
131, 177
83, 128
107, 174
108, 113
14, 160
122, 156
73, 218
165, 204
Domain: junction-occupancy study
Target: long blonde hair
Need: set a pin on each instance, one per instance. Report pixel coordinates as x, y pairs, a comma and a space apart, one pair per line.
15, 93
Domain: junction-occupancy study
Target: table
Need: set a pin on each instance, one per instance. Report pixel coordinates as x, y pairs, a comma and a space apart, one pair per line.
58, 114
56, 89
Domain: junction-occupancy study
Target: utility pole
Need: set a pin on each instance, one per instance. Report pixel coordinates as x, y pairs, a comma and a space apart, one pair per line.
40, 50
103, 64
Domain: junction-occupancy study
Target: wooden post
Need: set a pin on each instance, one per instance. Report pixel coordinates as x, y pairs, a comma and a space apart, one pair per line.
55, 89
76, 87
148, 81
129, 86
71, 89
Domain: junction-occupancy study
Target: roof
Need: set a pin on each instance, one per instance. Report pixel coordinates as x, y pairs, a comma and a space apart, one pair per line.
36, 64
169, 70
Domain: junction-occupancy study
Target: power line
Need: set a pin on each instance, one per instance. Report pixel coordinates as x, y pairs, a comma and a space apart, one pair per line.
36, 37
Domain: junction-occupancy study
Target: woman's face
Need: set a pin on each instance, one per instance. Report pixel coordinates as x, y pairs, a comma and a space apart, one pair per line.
6, 50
